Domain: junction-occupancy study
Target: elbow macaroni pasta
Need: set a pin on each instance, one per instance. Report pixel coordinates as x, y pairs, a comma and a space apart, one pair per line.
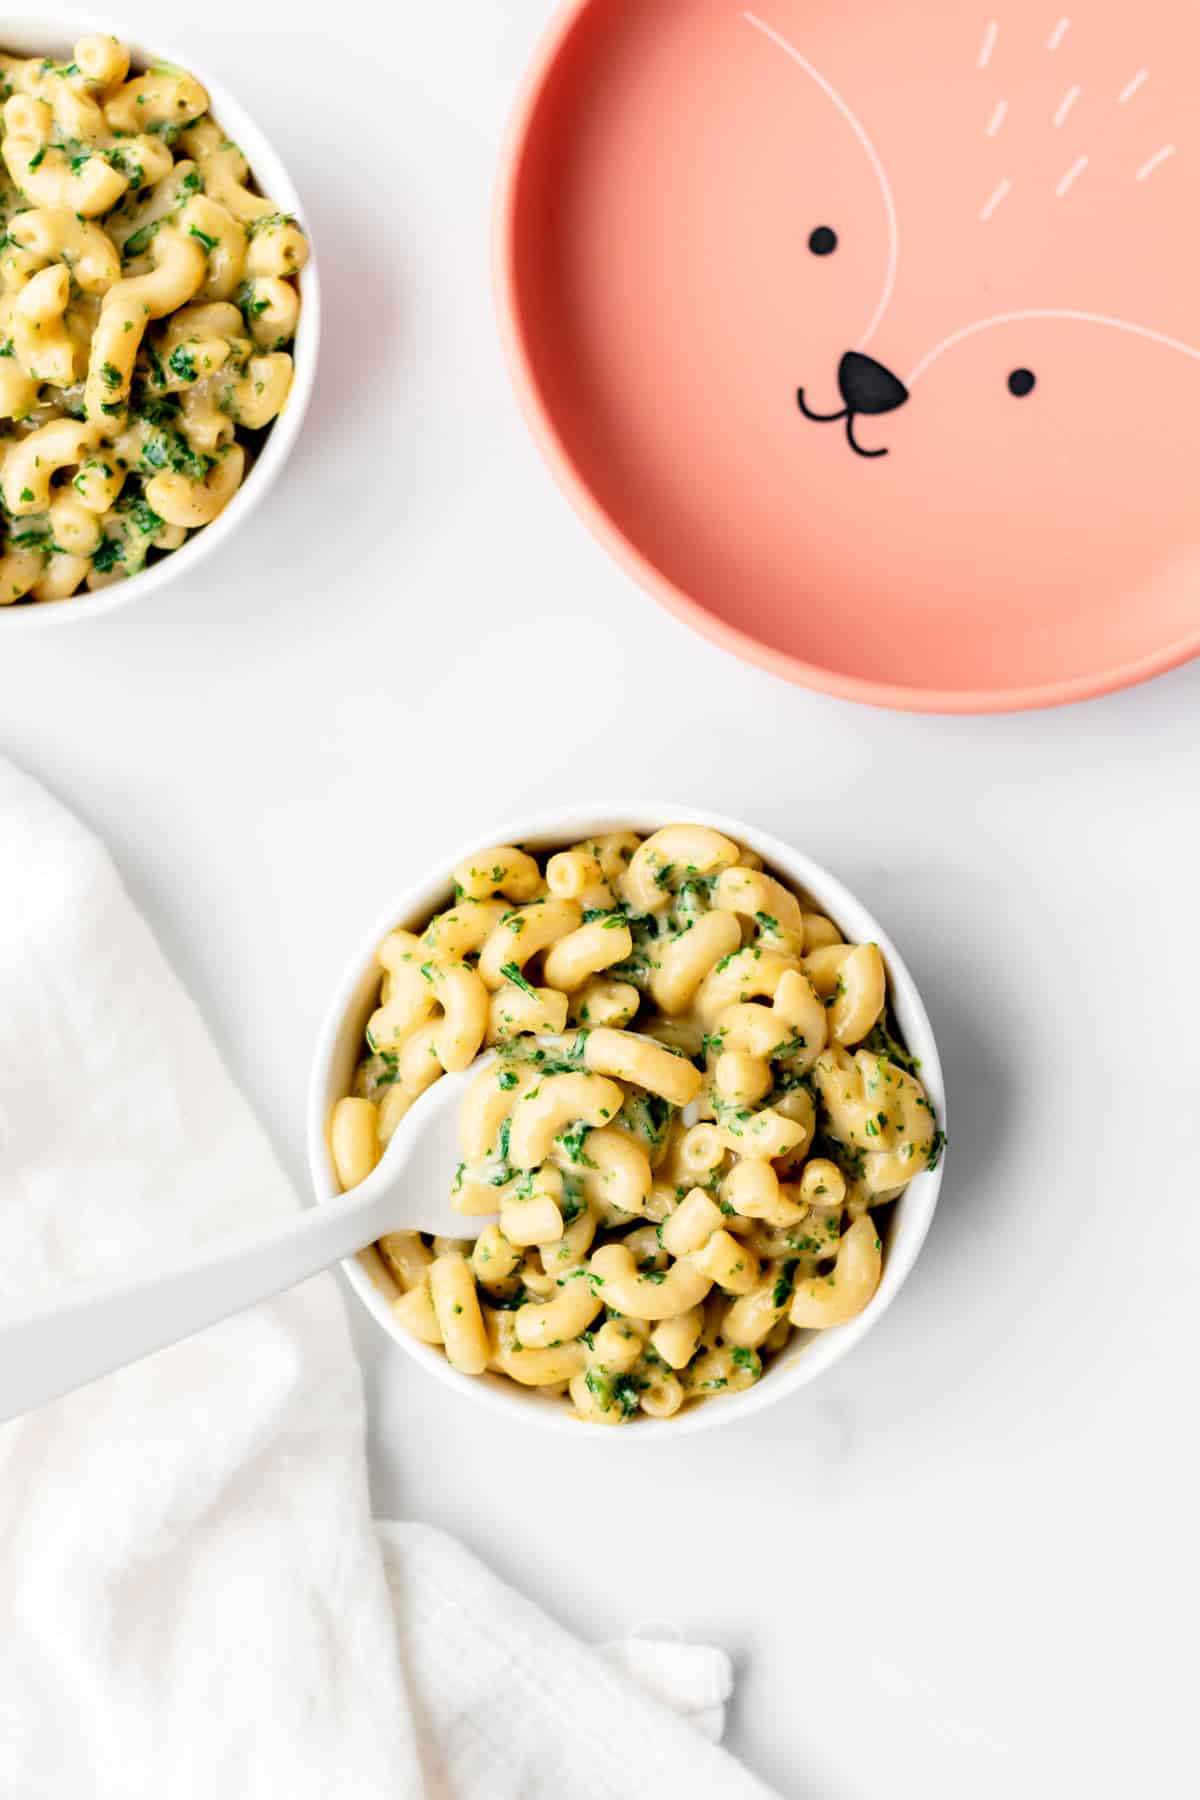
683, 1180
147, 301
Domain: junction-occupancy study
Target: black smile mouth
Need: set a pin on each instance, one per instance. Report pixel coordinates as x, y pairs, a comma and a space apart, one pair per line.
846, 413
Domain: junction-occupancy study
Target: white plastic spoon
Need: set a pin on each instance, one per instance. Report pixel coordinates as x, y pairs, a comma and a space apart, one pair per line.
50, 1345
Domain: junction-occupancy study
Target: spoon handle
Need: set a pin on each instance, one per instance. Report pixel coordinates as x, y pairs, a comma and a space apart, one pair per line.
57, 1342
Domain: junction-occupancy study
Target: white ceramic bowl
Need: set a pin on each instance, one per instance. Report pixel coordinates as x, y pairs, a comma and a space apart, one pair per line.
339, 1049
54, 34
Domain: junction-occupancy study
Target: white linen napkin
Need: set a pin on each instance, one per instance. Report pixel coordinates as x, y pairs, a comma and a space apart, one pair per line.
195, 1603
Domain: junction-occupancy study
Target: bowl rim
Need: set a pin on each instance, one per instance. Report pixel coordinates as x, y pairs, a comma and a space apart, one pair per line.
565, 469
561, 825
54, 34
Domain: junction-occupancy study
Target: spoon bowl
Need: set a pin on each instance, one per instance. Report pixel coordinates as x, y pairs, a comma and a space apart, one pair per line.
409, 1187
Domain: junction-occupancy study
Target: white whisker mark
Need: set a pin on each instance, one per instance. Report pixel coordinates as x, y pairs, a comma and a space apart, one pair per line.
1072, 176
1065, 104
998, 117
1058, 34
1132, 87
988, 44
1000, 193
859, 130
1049, 312
1155, 162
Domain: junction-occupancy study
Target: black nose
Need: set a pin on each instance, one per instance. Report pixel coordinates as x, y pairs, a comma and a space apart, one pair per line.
867, 387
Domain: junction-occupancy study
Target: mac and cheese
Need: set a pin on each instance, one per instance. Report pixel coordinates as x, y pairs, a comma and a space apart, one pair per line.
147, 300
696, 1105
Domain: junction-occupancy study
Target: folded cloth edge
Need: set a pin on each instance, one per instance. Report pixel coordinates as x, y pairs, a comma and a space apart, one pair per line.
528, 1690
192, 1531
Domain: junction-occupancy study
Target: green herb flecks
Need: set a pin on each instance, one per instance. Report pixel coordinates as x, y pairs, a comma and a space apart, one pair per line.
108, 553
182, 363
510, 972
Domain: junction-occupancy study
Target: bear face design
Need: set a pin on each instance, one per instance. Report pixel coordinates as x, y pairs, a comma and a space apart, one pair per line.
868, 386
994, 284
886, 323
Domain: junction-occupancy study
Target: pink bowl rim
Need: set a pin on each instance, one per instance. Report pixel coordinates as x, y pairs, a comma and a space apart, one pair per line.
602, 524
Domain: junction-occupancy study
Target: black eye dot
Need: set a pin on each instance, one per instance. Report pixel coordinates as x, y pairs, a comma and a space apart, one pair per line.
823, 241
1022, 382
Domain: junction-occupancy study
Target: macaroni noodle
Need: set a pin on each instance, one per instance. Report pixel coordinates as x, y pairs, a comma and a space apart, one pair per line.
147, 299
686, 1178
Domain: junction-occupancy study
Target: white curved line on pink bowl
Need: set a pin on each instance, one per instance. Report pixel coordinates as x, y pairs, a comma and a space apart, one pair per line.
1048, 312
873, 157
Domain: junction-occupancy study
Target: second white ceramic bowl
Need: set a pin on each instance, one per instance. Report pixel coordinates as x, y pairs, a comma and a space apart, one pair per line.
54, 34
340, 1047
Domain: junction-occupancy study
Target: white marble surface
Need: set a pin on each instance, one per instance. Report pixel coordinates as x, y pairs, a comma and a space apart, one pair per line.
965, 1562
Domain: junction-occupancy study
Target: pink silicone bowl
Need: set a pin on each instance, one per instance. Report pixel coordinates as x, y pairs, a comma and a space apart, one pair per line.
864, 336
